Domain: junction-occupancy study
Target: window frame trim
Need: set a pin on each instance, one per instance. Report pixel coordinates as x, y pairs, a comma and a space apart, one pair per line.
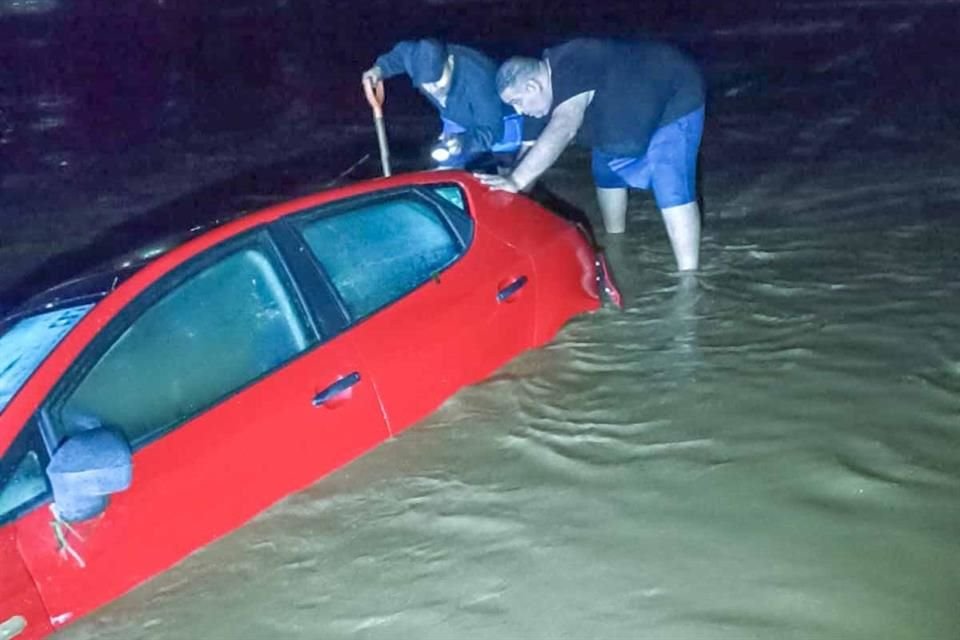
259, 237
43, 454
444, 209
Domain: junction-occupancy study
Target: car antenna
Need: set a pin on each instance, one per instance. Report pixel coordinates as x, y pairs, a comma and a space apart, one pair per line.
347, 171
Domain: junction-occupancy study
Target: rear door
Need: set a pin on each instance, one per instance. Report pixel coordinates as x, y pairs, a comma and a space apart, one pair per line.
437, 301
232, 396
22, 488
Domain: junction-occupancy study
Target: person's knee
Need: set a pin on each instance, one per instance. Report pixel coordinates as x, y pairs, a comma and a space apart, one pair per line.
681, 209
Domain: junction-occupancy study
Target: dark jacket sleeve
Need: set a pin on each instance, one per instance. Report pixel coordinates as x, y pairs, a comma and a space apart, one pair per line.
487, 124
397, 60
474, 103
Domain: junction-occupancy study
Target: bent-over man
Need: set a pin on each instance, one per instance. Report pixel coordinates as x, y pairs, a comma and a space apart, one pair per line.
460, 82
638, 105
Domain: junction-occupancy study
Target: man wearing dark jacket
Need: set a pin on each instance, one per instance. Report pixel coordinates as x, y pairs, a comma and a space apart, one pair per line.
460, 82
638, 105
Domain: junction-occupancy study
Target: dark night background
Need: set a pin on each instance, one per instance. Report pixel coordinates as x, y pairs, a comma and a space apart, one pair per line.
90, 76
94, 95
765, 451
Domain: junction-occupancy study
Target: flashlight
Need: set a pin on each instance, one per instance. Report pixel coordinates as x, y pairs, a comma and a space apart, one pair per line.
440, 152
445, 149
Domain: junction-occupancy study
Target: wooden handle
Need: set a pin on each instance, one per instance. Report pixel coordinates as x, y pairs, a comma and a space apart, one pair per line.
374, 96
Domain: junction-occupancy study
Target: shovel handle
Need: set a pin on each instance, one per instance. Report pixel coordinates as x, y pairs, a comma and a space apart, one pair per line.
374, 95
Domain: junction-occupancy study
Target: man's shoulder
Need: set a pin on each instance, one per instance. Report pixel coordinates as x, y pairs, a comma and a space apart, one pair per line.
566, 47
585, 46
579, 44
582, 50
462, 50
472, 62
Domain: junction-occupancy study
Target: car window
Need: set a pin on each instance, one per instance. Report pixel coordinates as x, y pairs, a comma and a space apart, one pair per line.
451, 194
377, 251
222, 326
28, 342
22, 479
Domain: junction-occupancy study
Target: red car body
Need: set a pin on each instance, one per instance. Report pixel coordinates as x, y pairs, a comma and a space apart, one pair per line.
214, 471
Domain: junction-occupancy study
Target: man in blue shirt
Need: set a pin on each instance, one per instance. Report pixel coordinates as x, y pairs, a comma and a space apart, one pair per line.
460, 83
638, 105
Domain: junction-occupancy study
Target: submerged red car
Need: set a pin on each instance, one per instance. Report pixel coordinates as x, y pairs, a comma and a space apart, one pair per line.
150, 408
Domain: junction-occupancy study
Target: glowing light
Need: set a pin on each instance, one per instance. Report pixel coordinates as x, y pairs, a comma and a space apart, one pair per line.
440, 153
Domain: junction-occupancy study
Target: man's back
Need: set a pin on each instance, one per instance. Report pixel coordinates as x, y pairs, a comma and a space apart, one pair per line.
638, 86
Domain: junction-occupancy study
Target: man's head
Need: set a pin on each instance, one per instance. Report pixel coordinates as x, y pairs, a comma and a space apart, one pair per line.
441, 86
524, 84
426, 62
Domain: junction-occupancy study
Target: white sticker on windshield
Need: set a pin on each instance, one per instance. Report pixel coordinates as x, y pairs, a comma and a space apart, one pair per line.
28, 342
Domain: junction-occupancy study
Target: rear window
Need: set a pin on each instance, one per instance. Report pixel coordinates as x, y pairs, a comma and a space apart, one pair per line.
28, 342
381, 249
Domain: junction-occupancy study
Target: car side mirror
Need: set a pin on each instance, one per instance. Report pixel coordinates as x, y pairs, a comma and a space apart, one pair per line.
86, 469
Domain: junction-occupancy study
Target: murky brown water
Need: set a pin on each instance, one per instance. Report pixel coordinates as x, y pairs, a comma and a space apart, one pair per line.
766, 452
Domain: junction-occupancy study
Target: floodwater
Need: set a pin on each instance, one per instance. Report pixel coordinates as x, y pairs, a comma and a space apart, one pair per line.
767, 449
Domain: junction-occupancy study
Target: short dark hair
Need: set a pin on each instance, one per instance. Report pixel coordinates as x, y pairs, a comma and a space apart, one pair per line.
516, 70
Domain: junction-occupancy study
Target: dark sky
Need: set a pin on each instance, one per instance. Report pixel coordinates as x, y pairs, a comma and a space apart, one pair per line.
86, 73
92, 73
80, 79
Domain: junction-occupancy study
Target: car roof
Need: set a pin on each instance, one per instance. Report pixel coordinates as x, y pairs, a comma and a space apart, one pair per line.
95, 269
90, 287
121, 250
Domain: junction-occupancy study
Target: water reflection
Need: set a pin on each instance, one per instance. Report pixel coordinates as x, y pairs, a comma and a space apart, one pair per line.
764, 450
682, 322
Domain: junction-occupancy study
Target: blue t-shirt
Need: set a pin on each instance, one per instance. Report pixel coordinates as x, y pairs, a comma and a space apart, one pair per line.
472, 101
638, 87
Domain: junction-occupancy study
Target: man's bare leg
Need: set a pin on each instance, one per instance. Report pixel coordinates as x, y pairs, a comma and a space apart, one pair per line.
613, 208
683, 227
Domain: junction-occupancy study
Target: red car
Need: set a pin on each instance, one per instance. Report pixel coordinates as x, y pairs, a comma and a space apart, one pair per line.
152, 408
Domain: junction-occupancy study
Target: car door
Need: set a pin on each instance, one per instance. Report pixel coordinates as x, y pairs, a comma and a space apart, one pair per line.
231, 396
436, 300
22, 487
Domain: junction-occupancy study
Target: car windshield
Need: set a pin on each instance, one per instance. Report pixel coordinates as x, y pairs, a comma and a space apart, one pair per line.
28, 342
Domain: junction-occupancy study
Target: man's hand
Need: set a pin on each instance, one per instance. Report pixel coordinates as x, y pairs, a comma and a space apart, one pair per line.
373, 75
498, 183
453, 143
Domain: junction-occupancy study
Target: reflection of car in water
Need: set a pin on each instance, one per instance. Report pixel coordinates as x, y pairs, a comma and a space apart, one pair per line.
148, 410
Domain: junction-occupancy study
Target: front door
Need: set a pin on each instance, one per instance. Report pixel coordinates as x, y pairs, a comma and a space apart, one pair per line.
22, 487
231, 399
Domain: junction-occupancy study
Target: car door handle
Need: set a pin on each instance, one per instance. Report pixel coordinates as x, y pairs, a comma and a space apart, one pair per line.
511, 289
336, 389
12, 627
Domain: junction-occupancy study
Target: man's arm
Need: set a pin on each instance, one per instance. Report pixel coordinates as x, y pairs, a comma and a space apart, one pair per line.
559, 132
486, 127
395, 61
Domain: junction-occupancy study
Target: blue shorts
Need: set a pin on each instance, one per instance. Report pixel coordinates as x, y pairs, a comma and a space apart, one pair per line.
669, 166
